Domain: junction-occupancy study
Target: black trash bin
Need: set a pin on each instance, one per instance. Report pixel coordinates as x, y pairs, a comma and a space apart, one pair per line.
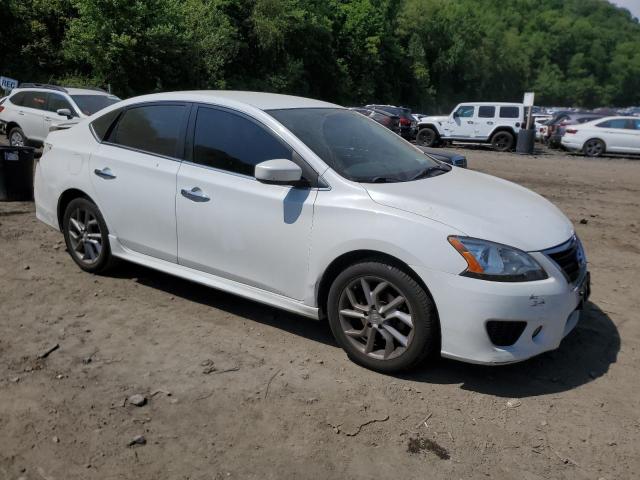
526, 140
16, 173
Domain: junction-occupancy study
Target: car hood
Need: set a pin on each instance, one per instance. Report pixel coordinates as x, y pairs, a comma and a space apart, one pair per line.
481, 206
434, 119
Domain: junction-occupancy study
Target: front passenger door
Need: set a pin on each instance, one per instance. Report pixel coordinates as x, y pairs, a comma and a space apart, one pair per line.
231, 225
461, 123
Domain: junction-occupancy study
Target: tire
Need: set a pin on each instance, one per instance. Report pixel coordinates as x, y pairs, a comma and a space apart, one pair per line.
502, 141
86, 236
594, 148
427, 137
16, 137
414, 318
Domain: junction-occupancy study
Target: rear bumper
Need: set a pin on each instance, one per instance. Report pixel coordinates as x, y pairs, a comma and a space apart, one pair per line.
3, 127
550, 308
571, 144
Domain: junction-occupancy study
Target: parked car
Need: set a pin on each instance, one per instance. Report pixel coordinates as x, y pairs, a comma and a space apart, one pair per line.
312, 208
30, 111
608, 134
392, 122
407, 122
494, 123
452, 158
540, 124
558, 127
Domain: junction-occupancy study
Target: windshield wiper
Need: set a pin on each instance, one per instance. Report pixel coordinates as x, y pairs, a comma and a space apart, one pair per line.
429, 171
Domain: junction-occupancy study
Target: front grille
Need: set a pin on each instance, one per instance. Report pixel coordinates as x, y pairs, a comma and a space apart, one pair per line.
505, 333
569, 257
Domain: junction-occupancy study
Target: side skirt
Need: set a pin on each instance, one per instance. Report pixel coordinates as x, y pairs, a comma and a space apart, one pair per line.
213, 281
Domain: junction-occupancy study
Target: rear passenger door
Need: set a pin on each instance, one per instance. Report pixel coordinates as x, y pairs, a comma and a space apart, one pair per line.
31, 114
485, 121
231, 225
134, 172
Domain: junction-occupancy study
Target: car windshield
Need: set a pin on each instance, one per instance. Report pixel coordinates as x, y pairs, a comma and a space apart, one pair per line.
90, 104
355, 146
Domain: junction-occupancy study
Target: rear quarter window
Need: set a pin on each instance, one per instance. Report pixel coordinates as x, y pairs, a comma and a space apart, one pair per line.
17, 99
509, 112
101, 126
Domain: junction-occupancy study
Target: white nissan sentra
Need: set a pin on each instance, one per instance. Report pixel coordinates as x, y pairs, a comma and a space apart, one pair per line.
312, 208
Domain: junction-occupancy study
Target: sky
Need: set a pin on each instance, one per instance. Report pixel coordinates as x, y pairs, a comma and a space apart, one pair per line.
632, 5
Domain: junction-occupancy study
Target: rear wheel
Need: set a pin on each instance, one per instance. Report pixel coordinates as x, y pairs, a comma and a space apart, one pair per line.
594, 148
502, 141
86, 235
16, 137
382, 317
427, 137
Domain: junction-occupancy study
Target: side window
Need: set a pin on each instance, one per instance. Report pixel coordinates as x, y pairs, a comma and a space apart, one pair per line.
56, 102
17, 99
37, 100
232, 142
464, 111
635, 124
618, 123
102, 125
509, 112
153, 128
606, 124
487, 112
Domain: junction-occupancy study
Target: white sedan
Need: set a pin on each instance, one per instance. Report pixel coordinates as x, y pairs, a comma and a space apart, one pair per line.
312, 208
609, 134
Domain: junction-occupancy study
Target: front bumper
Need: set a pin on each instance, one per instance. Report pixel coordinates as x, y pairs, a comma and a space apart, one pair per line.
465, 305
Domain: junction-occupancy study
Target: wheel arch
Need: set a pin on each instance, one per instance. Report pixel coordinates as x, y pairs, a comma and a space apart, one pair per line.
430, 125
65, 199
502, 129
355, 256
11, 125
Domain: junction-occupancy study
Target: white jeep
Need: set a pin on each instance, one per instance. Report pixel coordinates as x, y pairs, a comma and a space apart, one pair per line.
481, 122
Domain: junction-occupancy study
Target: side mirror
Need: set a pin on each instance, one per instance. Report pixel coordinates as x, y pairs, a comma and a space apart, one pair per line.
280, 171
64, 112
455, 114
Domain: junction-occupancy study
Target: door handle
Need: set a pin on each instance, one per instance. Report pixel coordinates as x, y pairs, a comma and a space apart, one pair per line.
195, 194
20, 112
470, 122
489, 123
104, 173
48, 119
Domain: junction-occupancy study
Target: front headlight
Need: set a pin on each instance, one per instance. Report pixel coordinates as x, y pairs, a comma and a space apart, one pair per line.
493, 261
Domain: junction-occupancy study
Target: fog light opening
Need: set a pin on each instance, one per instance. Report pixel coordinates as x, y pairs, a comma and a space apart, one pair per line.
536, 332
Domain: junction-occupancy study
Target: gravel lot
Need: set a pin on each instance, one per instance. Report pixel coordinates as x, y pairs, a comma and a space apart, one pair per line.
238, 390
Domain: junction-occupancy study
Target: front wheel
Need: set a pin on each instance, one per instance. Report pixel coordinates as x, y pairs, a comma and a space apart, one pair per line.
502, 141
382, 317
86, 235
426, 137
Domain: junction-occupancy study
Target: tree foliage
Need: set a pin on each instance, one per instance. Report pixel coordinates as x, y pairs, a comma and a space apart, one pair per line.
428, 54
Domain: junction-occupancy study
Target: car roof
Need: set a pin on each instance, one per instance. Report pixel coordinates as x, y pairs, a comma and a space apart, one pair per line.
67, 90
497, 104
259, 100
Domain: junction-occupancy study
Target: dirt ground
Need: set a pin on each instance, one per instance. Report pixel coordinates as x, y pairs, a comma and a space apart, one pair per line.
239, 390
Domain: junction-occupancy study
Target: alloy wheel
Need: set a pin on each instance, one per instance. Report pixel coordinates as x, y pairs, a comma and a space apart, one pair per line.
594, 148
16, 139
376, 317
85, 236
